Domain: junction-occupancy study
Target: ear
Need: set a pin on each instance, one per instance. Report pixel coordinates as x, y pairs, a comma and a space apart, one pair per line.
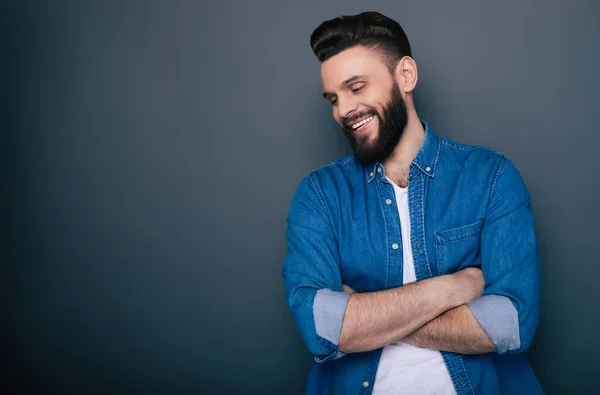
406, 74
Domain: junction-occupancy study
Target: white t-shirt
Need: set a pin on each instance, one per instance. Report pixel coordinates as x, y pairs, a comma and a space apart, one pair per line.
404, 368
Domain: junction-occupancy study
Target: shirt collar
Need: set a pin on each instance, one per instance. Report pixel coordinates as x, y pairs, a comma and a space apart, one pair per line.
426, 159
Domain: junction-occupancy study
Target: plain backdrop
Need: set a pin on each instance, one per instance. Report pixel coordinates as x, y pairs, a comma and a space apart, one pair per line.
150, 150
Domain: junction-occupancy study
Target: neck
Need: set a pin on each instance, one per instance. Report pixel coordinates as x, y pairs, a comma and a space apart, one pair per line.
396, 166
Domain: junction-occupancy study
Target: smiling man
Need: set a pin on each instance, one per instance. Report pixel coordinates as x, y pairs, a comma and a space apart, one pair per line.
412, 265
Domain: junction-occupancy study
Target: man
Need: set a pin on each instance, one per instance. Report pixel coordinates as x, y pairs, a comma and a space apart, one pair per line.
412, 265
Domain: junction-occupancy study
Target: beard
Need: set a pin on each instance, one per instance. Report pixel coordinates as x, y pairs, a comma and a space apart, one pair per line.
391, 126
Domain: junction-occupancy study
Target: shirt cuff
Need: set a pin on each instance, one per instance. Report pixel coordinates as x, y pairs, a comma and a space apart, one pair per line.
329, 308
499, 319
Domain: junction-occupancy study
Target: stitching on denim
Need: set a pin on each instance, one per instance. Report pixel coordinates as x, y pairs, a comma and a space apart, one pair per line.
467, 147
456, 238
474, 232
370, 169
319, 195
462, 147
446, 357
326, 345
422, 220
387, 239
369, 372
467, 378
437, 156
346, 160
437, 260
497, 175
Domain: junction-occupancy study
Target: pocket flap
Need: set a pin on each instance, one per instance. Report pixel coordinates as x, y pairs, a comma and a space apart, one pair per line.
462, 232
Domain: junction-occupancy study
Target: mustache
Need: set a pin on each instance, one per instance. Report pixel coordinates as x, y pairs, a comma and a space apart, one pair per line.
347, 121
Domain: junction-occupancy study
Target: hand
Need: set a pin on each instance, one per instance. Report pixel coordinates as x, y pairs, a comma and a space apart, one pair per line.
470, 282
347, 289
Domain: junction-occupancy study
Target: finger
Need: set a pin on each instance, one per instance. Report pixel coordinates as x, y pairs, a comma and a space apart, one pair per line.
346, 288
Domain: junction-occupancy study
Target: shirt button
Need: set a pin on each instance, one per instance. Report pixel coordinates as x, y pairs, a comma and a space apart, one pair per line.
428, 168
365, 384
379, 170
371, 174
388, 201
395, 246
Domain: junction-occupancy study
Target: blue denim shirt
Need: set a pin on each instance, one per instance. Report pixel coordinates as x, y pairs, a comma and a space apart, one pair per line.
468, 207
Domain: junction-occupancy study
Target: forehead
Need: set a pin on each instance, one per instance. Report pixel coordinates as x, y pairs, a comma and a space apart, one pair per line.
349, 63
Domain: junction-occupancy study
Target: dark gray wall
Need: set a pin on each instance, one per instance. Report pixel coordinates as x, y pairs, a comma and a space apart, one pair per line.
150, 151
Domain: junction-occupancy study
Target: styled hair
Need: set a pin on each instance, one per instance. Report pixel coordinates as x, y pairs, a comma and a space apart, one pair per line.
369, 29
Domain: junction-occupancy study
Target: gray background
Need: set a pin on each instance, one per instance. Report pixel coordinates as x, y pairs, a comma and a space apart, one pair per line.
150, 151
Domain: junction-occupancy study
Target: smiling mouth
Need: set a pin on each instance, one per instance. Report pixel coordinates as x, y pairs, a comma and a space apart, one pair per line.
362, 124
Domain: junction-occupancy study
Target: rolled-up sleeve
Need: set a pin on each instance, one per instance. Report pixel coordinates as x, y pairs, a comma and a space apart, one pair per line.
508, 310
311, 273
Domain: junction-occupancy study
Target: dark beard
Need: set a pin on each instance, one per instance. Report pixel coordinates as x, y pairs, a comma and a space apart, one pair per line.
391, 125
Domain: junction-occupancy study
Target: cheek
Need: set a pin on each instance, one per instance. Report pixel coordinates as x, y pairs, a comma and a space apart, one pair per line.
375, 100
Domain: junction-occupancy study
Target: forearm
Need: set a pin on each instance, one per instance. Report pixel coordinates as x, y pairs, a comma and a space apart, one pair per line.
456, 330
375, 319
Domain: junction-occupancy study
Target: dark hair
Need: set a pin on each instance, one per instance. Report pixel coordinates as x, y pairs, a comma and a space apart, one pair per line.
370, 29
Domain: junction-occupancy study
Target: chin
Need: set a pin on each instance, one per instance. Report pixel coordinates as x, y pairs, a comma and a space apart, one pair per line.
370, 141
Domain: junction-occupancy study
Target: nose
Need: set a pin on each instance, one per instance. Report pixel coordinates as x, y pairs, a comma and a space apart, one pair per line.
346, 106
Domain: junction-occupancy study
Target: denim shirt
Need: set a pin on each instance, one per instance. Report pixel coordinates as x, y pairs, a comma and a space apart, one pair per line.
468, 207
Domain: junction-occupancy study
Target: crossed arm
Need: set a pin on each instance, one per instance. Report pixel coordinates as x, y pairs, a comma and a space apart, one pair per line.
375, 319
457, 331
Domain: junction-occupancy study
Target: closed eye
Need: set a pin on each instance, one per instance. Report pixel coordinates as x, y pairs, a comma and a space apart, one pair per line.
357, 89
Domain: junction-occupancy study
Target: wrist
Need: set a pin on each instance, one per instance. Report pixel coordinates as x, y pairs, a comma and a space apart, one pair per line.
454, 293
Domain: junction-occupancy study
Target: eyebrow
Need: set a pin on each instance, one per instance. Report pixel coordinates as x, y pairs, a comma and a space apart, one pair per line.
347, 82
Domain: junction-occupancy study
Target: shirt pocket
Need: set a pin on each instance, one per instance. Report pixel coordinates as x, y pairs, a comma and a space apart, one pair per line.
458, 248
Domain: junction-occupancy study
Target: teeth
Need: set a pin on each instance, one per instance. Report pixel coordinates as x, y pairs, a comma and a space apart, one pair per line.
359, 124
